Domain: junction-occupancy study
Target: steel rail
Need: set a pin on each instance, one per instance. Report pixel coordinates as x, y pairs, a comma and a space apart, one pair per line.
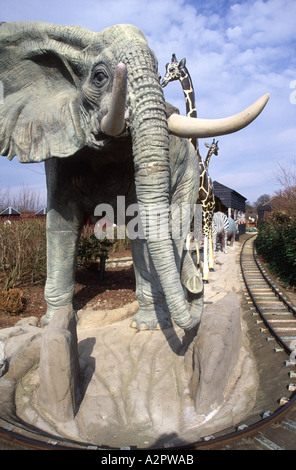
261, 314
273, 288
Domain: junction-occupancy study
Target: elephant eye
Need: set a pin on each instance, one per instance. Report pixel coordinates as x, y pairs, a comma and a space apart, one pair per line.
99, 77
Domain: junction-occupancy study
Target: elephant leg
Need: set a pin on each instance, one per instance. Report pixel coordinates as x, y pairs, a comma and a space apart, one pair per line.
62, 241
197, 231
188, 241
193, 285
153, 312
205, 275
197, 254
211, 252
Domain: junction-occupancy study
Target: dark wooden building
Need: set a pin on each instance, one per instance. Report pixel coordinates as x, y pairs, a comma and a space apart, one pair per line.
231, 203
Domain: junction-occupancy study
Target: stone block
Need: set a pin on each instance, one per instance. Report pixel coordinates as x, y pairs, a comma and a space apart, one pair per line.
59, 367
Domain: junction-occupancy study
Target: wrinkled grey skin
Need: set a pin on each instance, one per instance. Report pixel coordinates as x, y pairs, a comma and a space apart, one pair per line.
57, 84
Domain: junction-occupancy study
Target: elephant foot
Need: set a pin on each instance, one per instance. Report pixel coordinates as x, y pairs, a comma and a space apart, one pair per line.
45, 320
145, 320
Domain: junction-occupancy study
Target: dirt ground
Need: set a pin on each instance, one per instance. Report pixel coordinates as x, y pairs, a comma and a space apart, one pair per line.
115, 290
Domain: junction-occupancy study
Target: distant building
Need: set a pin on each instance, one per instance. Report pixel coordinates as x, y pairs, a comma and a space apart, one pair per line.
264, 210
10, 211
231, 203
41, 212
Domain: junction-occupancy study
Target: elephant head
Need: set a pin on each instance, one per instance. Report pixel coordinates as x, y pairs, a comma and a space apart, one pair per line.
67, 88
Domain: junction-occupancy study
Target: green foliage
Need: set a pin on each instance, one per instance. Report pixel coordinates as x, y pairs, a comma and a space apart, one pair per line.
90, 249
276, 242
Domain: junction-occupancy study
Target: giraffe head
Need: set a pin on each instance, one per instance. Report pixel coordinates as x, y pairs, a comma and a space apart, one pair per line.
213, 148
174, 70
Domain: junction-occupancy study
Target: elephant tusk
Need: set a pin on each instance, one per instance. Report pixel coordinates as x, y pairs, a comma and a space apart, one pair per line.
113, 123
183, 126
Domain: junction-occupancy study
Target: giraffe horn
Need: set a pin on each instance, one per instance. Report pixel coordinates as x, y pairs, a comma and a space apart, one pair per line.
184, 126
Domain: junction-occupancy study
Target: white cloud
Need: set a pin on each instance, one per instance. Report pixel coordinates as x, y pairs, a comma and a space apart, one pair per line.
236, 51
270, 22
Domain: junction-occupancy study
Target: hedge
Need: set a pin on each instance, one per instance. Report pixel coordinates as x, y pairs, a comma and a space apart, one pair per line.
276, 243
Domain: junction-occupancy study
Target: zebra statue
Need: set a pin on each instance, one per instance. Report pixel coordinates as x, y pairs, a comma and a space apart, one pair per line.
220, 227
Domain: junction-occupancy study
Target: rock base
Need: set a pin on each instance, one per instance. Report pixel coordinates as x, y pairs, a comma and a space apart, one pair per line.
136, 388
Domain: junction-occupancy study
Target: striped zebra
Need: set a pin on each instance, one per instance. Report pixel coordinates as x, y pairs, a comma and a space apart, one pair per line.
220, 227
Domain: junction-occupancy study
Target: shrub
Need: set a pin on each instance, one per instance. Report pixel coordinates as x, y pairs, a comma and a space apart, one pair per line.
91, 249
276, 242
22, 252
11, 301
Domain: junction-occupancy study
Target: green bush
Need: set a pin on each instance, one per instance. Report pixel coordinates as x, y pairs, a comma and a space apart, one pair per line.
91, 249
276, 242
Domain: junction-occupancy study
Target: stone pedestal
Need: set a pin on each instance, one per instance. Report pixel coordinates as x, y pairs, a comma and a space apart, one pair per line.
59, 367
149, 389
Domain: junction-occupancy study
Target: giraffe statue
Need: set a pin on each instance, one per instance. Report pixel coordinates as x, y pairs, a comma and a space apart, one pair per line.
213, 150
178, 71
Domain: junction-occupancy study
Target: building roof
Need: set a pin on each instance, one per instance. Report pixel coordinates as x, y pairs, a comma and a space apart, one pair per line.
10, 211
41, 211
229, 197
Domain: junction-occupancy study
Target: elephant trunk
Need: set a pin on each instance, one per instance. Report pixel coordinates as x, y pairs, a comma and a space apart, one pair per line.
150, 137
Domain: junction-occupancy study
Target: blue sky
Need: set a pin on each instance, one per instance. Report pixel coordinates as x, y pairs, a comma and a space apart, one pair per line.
236, 51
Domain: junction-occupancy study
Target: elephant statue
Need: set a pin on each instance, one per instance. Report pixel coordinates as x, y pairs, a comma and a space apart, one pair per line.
233, 231
91, 106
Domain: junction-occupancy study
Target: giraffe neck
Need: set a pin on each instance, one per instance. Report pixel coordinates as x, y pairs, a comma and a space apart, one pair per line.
188, 90
208, 158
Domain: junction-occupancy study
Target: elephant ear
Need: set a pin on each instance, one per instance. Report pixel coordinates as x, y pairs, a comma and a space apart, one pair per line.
41, 68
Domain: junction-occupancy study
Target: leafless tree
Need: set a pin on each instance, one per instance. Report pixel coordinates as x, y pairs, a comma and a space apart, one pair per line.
26, 199
285, 200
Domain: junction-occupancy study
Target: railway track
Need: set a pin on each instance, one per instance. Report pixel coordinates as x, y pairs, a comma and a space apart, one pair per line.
272, 423
272, 320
